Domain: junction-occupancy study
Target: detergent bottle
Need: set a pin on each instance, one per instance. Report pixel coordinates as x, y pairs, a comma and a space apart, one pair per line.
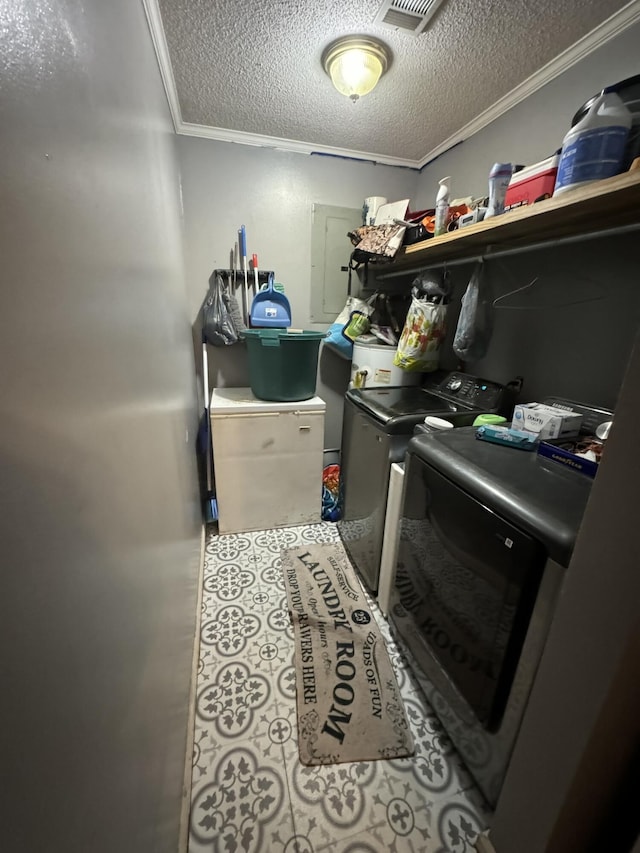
594, 148
442, 207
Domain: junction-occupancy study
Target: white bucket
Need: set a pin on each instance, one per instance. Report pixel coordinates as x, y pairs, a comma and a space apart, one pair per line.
372, 367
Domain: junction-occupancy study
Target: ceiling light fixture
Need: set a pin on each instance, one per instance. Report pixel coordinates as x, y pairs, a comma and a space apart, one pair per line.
355, 64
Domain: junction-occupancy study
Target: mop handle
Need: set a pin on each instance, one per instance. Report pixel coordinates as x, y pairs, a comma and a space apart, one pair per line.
243, 252
243, 246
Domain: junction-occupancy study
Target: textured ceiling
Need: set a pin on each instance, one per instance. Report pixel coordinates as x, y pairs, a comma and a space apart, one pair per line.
255, 67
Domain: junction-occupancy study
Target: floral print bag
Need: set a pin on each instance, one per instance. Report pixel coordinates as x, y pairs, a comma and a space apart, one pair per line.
423, 332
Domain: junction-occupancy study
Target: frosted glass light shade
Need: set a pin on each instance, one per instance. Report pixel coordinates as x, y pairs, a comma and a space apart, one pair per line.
355, 65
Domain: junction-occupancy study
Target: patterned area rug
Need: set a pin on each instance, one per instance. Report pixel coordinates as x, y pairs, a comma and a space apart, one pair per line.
349, 704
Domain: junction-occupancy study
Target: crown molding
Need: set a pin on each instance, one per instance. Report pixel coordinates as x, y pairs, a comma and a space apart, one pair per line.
221, 134
607, 30
154, 19
612, 27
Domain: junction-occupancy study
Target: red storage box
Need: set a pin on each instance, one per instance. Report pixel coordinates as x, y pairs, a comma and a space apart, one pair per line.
531, 183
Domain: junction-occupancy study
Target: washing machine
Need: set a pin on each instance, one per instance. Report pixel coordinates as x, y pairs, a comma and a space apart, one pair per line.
377, 426
486, 533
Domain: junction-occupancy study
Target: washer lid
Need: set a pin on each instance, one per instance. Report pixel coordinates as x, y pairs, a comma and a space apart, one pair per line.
400, 408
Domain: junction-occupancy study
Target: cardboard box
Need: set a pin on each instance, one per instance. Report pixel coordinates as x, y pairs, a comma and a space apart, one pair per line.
581, 454
546, 421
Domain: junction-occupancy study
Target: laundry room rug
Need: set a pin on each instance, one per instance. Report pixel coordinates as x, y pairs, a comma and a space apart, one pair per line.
348, 700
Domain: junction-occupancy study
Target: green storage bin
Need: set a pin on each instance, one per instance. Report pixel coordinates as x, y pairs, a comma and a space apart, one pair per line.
283, 363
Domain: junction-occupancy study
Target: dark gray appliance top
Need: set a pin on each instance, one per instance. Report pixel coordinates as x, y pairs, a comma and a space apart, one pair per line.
398, 409
541, 497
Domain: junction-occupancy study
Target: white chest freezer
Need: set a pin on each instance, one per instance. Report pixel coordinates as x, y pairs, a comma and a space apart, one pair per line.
267, 459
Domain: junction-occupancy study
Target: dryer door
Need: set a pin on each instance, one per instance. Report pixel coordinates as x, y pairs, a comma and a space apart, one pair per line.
467, 580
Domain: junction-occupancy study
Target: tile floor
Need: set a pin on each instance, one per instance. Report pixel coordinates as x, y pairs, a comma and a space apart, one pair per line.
250, 792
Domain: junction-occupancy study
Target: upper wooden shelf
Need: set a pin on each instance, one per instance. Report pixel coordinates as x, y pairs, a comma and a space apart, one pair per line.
595, 207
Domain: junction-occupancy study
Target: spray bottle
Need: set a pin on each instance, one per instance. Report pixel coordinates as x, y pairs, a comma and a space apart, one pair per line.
499, 178
442, 207
594, 149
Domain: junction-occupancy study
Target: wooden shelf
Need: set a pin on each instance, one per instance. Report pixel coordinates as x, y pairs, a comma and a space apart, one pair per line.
595, 207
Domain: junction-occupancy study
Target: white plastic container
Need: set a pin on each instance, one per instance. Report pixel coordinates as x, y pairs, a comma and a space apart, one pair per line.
594, 148
499, 178
442, 207
372, 367
436, 424
268, 460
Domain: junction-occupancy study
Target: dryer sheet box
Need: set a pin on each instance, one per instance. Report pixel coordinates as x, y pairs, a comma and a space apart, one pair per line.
546, 421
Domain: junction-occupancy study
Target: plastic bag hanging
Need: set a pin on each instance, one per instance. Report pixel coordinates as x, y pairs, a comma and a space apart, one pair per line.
424, 331
382, 321
475, 323
230, 300
352, 321
218, 328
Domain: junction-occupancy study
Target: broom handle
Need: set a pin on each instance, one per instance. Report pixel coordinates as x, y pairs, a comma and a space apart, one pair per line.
243, 252
255, 274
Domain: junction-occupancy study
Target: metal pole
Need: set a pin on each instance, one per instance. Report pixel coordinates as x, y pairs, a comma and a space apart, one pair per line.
503, 253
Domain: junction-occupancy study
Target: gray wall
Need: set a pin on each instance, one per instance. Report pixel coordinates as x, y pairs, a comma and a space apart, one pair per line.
572, 331
271, 192
572, 782
586, 343
533, 129
573, 755
100, 513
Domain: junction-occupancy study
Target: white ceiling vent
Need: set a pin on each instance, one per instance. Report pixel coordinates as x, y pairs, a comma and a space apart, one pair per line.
412, 16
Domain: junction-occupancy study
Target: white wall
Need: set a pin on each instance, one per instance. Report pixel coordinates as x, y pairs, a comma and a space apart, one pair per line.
271, 192
100, 515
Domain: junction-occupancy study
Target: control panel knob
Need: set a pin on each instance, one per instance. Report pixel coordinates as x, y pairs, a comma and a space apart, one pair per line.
455, 384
